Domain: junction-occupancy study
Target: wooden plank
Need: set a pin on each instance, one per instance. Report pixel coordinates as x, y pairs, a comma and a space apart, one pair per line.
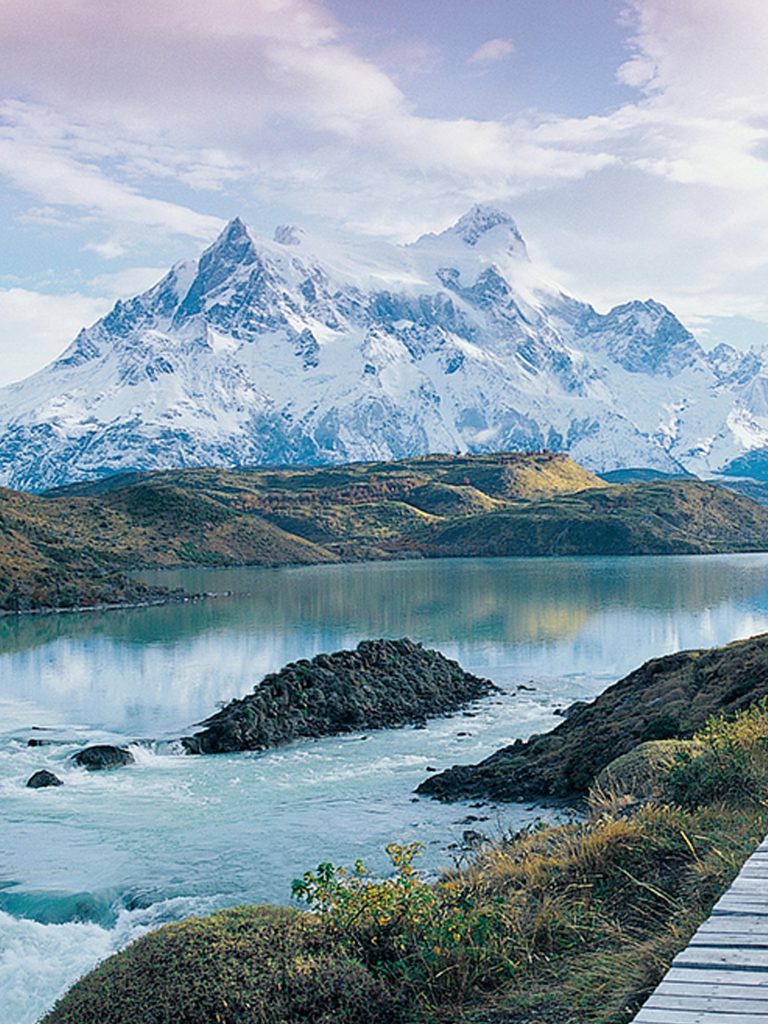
696, 956
736, 923
738, 912
707, 989
708, 975
712, 1004
741, 905
742, 895
722, 940
652, 1016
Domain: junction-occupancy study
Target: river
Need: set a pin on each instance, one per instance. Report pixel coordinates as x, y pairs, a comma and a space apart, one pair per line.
88, 866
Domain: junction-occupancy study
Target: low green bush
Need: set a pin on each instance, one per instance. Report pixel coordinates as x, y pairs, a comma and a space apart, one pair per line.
727, 762
250, 965
640, 773
433, 942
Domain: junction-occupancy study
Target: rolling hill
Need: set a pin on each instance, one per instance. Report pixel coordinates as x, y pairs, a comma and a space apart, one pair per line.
75, 546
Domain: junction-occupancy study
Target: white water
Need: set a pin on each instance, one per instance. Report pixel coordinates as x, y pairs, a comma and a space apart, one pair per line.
86, 867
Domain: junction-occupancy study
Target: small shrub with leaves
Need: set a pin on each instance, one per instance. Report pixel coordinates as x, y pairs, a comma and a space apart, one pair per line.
435, 939
728, 761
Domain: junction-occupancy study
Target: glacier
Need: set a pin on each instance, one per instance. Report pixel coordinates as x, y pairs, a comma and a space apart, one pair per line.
297, 350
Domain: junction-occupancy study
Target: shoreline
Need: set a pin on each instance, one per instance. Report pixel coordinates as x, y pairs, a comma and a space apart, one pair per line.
117, 606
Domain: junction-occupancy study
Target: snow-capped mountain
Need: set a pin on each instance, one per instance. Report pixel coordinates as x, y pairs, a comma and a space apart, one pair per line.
296, 351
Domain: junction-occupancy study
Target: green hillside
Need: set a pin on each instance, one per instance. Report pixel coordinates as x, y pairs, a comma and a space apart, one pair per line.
73, 546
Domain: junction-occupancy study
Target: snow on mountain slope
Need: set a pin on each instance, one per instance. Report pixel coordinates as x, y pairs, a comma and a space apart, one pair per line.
299, 351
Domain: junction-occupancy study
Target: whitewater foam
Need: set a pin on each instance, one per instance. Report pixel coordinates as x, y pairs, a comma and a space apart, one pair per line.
39, 962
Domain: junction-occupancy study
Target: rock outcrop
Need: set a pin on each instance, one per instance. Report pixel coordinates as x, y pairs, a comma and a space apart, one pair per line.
43, 779
380, 684
102, 757
668, 697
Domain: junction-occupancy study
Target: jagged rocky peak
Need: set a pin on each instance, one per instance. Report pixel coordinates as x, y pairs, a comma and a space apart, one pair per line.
724, 357
487, 229
232, 250
646, 337
234, 245
734, 367
483, 219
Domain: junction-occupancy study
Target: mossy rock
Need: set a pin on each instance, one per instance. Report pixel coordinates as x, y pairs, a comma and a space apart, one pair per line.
640, 772
249, 965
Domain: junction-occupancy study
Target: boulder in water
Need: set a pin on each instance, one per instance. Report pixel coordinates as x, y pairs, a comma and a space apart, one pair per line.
43, 779
102, 757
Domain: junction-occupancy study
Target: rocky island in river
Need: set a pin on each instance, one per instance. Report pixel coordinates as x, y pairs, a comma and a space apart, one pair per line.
380, 684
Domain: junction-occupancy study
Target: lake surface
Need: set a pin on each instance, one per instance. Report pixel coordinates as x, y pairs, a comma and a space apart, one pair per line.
86, 867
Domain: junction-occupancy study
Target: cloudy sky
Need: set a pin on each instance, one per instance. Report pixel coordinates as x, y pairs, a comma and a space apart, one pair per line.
628, 137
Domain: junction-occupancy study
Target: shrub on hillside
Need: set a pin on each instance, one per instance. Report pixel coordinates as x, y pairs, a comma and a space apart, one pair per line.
728, 761
432, 941
250, 965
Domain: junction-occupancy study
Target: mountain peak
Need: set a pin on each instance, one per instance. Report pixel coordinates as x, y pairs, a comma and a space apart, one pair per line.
483, 218
486, 228
233, 245
235, 229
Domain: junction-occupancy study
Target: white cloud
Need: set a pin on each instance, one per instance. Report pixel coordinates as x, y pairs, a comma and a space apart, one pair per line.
683, 213
267, 100
124, 284
37, 327
492, 50
110, 249
39, 156
258, 94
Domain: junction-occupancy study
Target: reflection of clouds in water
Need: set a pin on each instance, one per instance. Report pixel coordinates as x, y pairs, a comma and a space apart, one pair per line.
156, 670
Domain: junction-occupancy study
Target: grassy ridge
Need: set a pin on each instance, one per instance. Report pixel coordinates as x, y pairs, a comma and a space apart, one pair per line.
74, 545
654, 517
569, 924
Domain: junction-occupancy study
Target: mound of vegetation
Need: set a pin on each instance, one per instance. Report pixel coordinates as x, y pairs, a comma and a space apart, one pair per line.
75, 551
74, 545
380, 684
668, 697
568, 923
250, 965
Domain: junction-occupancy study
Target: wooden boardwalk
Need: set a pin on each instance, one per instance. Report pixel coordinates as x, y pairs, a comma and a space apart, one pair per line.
722, 977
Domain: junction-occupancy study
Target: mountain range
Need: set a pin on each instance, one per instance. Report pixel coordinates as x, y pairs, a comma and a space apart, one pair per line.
295, 351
